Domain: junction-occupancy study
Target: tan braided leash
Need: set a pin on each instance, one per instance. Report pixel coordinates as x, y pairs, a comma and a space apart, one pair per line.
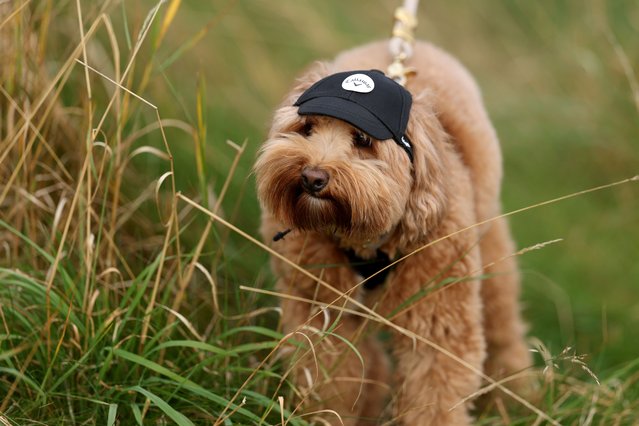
402, 41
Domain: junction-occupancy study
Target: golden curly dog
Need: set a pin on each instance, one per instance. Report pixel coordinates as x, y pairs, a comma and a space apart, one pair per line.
360, 191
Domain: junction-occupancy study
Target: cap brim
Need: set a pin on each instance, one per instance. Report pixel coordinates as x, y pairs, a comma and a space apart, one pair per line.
348, 111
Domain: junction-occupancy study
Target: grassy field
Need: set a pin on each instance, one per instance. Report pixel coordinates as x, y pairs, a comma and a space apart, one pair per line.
120, 302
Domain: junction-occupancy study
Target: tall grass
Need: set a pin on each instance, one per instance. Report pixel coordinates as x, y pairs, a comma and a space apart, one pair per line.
121, 302
97, 320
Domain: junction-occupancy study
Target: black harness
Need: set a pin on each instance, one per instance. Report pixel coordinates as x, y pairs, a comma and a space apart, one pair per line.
368, 267
364, 267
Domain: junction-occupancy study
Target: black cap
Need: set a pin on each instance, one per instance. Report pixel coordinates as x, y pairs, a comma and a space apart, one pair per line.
368, 100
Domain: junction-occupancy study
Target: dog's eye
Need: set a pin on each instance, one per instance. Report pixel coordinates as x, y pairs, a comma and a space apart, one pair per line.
361, 139
307, 129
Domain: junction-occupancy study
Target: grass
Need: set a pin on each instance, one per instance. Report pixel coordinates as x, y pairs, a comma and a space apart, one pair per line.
121, 303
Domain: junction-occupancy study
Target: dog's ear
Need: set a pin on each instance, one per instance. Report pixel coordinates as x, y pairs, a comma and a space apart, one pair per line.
427, 201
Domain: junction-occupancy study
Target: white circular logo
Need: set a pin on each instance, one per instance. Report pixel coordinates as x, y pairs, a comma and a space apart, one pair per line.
358, 83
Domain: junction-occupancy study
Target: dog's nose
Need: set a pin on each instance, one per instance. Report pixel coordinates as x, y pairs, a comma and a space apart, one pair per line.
314, 179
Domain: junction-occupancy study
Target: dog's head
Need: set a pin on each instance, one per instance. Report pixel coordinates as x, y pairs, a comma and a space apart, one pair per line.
323, 169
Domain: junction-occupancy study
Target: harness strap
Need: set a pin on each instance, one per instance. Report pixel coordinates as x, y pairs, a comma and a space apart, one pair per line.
368, 267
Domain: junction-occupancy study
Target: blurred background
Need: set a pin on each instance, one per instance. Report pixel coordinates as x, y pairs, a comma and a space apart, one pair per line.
559, 80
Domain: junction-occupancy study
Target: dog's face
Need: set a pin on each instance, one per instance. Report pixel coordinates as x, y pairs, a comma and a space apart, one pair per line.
320, 173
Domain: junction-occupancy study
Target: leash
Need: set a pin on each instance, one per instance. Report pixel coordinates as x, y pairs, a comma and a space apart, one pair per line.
402, 41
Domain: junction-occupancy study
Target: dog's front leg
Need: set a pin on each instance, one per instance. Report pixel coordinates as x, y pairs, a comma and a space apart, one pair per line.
330, 374
431, 381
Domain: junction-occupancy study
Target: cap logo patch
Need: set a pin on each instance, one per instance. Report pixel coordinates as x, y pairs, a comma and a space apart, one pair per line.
358, 83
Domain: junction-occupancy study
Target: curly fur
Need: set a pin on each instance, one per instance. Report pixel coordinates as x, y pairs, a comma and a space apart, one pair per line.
376, 199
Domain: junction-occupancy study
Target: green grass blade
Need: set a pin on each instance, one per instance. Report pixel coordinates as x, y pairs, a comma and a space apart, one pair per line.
252, 329
23, 378
113, 412
193, 344
175, 415
39, 290
252, 347
182, 382
137, 414
27, 240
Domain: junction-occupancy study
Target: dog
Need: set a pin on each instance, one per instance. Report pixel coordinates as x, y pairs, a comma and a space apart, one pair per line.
358, 172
